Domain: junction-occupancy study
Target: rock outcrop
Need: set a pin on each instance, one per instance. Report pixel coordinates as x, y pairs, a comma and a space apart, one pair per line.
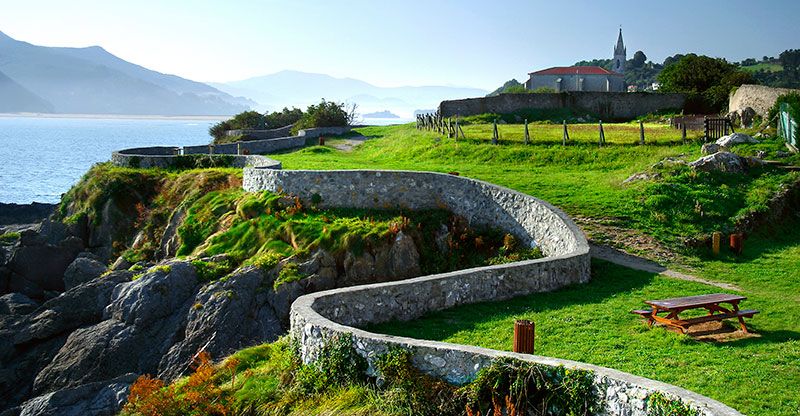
78, 352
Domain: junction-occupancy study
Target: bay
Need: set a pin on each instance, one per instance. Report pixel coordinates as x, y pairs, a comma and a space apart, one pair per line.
41, 158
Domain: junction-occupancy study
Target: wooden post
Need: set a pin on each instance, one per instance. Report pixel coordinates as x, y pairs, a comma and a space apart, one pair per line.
736, 243
705, 129
602, 140
566, 135
683, 132
524, 335
716, 238
457, 127
527, 134
322, 140
641, 133
494, 133
211, 149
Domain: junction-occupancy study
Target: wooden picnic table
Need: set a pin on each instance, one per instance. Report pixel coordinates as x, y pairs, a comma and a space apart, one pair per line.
671, 308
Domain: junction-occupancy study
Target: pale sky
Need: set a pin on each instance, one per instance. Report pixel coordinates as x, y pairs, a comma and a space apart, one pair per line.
435, 42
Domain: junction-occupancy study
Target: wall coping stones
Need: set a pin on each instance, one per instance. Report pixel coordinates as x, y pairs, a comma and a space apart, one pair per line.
317, 317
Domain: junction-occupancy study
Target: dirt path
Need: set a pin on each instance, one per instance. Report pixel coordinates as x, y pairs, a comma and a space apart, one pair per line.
348, 144
622, 258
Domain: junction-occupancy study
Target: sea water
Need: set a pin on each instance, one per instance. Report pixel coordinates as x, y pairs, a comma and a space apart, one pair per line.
41, 158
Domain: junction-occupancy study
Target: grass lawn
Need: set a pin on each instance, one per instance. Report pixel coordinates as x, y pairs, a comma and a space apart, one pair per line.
591, 323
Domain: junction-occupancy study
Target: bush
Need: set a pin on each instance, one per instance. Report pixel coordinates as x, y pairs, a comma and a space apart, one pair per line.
283, 118
793, 100
244, 120
706, 80
325, 114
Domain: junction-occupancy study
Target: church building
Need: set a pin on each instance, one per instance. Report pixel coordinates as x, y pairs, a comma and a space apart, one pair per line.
584, 78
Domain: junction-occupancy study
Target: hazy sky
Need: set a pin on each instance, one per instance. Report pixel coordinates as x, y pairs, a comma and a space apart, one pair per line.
464, 43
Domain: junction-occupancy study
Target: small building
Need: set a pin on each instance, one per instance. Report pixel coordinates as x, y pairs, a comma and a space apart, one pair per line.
577, 78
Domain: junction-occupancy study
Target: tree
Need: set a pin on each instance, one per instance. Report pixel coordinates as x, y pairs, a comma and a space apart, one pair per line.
706, 80
790, 60
248, 120
639, 58
283, 118
326, 114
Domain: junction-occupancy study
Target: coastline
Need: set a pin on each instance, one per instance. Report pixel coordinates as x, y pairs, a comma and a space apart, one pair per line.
114, 116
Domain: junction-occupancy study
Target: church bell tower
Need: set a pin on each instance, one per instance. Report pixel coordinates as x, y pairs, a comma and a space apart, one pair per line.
620, 56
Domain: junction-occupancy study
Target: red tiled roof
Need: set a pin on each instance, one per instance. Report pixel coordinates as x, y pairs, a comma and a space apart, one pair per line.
574, 70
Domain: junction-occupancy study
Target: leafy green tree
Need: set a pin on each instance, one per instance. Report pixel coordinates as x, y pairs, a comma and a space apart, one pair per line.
639, 58
706, 80
248, 120
217, 131
283, 118
790, 60
326, 114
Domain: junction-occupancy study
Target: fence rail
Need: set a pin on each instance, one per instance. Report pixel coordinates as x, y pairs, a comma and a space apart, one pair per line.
714, 128
787, 127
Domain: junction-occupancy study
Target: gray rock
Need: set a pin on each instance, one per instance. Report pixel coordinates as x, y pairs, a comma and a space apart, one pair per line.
82, 305
747, 115
404, 258
43, 265
761, 154
225, 316
92, 399
735, 138
710, 148
721, 161
153, 296
82, 270
121, 264
170, 242
781, 154
16, 304
642, 176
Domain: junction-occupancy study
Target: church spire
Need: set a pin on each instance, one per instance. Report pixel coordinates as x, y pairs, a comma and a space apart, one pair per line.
620, 55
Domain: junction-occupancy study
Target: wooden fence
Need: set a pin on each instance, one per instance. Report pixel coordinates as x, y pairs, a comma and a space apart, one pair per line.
714, 128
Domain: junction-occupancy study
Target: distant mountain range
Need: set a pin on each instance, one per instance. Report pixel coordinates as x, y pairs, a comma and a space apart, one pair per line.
380, 114
92, 81
300, 89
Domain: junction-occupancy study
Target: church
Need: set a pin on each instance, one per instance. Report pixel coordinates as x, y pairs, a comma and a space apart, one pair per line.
584, 78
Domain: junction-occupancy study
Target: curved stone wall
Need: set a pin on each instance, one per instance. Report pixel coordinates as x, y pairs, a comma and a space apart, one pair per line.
165, 157
317, 317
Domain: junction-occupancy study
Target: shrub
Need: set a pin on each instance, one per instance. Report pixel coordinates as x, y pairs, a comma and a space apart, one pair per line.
283, 118
660, 405
793, 100
325, 114
338, 365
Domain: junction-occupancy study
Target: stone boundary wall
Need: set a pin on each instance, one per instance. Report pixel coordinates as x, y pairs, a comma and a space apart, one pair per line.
262, 134
323, 131
609, 106
758, 97
165, 157
317, 317
248, 146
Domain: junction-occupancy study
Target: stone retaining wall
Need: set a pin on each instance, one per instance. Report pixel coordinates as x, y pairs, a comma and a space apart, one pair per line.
758, 97
262, 134
166, 157
323, 131
248, 146
317, 317
609, 106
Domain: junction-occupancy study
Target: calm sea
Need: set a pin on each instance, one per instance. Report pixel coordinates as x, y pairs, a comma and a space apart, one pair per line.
41, 158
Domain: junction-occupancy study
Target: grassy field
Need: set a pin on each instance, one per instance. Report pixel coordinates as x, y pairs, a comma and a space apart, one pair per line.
758, 376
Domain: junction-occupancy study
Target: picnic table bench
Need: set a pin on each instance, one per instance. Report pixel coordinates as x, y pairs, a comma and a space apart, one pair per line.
711, 303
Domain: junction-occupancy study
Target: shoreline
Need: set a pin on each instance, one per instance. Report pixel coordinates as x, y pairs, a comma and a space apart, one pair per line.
112, 116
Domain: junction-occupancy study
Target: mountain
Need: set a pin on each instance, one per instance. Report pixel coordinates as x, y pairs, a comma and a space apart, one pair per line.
381, 114
15, 98
93, 81
294, 88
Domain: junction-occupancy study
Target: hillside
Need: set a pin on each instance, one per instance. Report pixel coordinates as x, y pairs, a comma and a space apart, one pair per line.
15, 98
93, 81
295, 88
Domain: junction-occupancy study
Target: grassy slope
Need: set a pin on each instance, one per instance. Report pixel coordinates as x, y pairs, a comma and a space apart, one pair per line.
591, 323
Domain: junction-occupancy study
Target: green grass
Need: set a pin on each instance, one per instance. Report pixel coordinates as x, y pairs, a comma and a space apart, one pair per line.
763, 67
591, 323
9, 237
583, 179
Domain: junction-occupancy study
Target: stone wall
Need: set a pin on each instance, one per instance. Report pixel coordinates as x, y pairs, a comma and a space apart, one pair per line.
248, 146
758, 97
317, 317
150, 158
323, 131
262, 134
610, 106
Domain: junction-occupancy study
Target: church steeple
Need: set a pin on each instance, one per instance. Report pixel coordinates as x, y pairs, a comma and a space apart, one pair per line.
620, 55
